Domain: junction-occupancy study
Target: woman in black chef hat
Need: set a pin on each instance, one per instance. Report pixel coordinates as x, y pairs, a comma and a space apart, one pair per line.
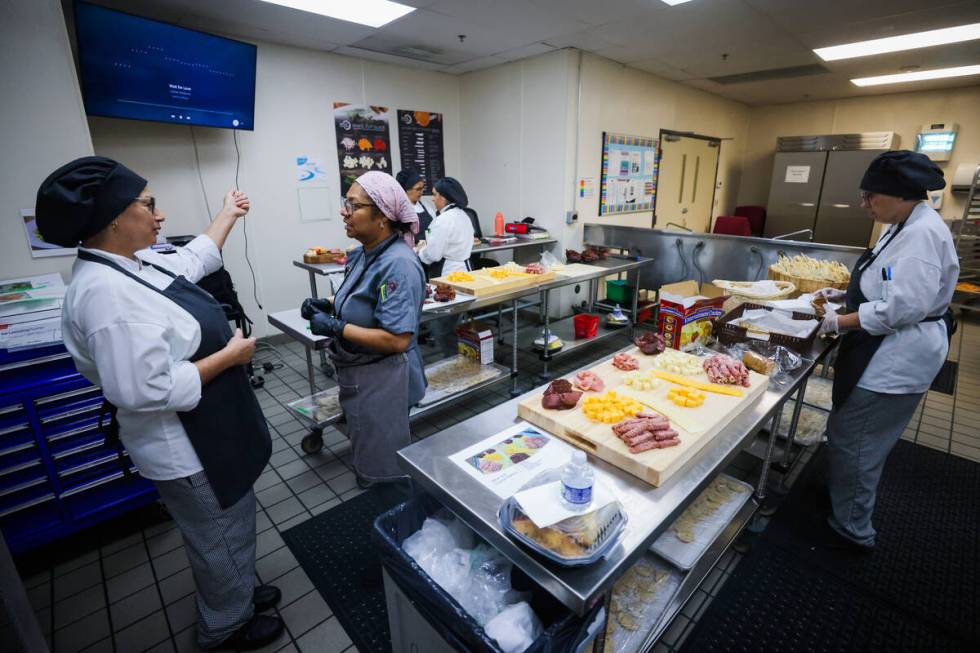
895, 331
165, 357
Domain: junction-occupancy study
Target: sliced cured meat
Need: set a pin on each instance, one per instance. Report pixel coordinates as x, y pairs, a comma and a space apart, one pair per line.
589, 382
726, 370
534, 268
650, 343
560, 395
654, 444
625, 362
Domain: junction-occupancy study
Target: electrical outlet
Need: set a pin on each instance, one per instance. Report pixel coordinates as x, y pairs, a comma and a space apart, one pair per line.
571, 217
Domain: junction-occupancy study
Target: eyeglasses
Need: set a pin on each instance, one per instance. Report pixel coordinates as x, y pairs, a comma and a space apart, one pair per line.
350, 207
866, 197
148, 202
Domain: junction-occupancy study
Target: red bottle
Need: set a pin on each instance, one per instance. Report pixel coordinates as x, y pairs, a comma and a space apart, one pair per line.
498, 224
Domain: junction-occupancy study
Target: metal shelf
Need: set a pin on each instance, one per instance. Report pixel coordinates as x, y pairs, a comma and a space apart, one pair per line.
564, 329
694, 578
417, 411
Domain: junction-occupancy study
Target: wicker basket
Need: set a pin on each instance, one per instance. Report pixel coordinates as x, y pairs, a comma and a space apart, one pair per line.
737, 297
804, 286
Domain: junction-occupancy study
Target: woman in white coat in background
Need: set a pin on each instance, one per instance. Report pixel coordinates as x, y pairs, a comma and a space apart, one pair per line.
447, 248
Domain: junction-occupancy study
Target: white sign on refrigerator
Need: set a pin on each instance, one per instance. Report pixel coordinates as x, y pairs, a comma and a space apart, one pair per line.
797, 174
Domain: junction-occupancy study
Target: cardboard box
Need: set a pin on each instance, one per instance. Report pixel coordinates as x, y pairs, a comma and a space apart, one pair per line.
688, 313
476, 341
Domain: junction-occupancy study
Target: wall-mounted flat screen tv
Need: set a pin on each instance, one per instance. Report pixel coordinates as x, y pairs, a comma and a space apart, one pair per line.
143, 69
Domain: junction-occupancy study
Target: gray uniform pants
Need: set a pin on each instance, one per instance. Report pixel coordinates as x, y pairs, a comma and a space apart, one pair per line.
221, 548
861, 434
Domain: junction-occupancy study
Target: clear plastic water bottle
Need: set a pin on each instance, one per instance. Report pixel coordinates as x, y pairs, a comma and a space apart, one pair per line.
576, 483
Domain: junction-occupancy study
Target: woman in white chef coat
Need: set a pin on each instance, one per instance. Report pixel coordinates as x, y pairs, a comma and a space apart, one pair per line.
162, 351
895, 335
447, 248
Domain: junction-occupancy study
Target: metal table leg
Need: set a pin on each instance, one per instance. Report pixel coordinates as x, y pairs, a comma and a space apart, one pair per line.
793, 423
312, 442
599, 643
500, 324
757, 524
513, 352
546, 354
593, 292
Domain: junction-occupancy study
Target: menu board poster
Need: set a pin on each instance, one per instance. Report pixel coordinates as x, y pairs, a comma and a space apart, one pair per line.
629, 174
420, 144
363, 141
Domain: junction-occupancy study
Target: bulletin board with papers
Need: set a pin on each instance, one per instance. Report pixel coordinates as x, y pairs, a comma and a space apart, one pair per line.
629, 174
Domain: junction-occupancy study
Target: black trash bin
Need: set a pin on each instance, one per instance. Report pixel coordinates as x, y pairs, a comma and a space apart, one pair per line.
564, 632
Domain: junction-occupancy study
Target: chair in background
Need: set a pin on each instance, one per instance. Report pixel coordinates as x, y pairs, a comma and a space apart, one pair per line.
756, 216
478, 262
732, 225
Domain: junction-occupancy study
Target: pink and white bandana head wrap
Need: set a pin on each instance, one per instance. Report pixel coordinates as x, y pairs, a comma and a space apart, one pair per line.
390, 197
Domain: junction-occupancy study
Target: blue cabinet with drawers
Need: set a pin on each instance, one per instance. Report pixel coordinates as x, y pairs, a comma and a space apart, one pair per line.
57, 473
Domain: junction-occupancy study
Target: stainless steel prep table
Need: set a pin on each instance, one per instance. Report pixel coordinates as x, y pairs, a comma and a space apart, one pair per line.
292, 324
651, 510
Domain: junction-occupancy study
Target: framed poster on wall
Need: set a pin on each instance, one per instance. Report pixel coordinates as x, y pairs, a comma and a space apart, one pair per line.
629, 174
363, 143
421, 145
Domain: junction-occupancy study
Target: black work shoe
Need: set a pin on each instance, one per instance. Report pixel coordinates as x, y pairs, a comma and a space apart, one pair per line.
266, 597
258, 632
829, 539
362, 482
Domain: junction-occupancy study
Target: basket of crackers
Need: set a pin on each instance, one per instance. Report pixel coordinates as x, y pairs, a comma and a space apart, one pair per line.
810, 274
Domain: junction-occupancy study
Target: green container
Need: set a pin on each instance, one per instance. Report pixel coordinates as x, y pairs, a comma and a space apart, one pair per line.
619, 291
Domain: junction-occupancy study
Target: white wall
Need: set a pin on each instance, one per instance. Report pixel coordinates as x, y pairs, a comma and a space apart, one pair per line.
42, 122
627, 101
513, 121
295, 91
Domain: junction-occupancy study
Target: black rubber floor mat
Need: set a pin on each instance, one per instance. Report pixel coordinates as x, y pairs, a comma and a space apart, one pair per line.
922, 579
945, 381
335, 550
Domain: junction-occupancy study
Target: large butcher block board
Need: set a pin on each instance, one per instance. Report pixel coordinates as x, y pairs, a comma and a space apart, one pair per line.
657, 465
483, 284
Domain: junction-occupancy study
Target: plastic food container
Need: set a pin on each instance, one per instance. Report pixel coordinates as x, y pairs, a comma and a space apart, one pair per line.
619, 291
586, 325
609, 533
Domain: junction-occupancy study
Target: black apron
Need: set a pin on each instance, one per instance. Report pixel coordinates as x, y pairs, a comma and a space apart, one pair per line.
858, 347
227, 429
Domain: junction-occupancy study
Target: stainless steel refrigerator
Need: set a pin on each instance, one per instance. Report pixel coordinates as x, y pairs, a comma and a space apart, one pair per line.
815, 183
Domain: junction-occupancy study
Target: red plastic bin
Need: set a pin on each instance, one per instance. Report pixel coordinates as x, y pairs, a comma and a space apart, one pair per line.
586, 325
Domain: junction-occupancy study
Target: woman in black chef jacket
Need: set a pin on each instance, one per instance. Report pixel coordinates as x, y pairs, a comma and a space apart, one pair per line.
895, 335
166, 359
373, 322
414, 184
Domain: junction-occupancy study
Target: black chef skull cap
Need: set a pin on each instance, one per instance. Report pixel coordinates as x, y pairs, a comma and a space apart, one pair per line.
80, 198
408, 177
453, 191
902, 173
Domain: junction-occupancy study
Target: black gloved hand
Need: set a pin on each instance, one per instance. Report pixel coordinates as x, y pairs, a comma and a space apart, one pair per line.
315, 305
322, 324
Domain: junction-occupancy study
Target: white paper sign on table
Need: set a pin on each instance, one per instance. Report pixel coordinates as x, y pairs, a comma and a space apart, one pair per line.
543, 504
505, 462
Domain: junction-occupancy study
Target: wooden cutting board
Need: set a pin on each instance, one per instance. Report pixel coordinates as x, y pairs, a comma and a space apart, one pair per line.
657, 465
578, 270
483, 284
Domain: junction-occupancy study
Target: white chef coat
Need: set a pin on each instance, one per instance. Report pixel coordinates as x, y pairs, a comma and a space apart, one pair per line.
136, 344
449, 237
924, 273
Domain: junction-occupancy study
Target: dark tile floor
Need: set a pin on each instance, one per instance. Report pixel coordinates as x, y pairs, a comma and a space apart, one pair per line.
128, 588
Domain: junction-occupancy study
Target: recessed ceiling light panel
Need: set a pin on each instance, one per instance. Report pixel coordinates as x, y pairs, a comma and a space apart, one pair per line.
900, 43
373, 13
918, 76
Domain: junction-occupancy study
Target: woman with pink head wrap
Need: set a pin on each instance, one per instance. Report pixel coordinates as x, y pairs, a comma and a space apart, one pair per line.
373, 321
